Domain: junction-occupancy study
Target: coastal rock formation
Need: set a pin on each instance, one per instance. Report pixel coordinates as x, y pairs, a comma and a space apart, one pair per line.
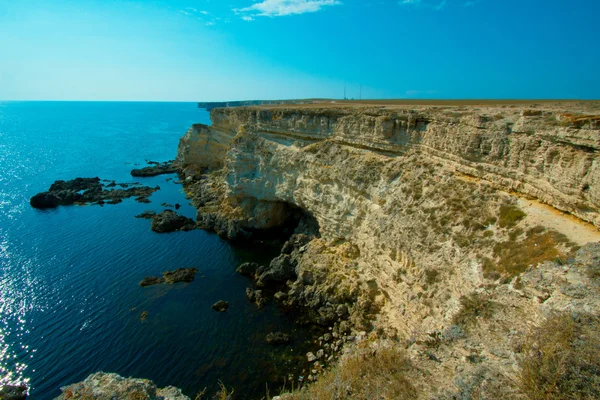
171, 277
11, 392
89, 191
155, 169
103, 385
412, 220
170, 221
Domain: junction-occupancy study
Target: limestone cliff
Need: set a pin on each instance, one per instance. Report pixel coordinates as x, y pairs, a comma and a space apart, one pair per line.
420, 211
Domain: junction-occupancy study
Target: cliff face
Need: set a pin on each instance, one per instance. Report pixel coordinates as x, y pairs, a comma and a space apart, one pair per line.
545, 154
419, 212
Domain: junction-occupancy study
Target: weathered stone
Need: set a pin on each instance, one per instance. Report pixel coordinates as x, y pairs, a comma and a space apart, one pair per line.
171, 277
157, 169
180, 275
87, 191
112, 386
248, 268
310, 357
13, 392
170, 221
220, 306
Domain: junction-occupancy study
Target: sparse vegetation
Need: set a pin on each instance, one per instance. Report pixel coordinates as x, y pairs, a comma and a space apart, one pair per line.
473, 307
561, 359
369, 374
510, 215
538, 246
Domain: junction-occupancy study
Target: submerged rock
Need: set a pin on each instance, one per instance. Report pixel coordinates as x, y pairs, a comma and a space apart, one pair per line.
171, 277
88, 191
156, 169
103, 385
220, 306
170, 221
277, 338
10, 392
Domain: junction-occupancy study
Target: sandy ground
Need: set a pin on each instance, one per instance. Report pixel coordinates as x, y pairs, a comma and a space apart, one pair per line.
575, 229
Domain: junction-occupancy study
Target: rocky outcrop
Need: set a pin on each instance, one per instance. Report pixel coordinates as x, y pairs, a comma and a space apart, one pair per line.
171, 277
89, 191
103, 385
155, 169
12, 392
170, 221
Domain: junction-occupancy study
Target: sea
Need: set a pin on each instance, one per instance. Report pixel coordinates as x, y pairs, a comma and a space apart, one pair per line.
70, 300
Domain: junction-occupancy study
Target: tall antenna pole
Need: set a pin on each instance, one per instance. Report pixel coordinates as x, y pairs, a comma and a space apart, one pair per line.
344, 92
360, 93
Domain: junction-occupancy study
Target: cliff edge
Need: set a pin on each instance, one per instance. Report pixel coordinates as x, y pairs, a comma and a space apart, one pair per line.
410, 216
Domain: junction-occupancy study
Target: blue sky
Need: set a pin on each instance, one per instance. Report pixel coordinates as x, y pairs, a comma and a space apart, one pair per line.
196, 50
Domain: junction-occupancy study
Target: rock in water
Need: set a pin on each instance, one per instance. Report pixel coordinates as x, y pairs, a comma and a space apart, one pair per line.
220, 306
151, 280
277, 338
157, 169
248, 268
88, 191
146, 215
180, 275
112, 386
10, 392
170, 221
171, 277
44, 200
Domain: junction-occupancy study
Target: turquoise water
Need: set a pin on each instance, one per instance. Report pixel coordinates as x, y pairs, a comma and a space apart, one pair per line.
70, 302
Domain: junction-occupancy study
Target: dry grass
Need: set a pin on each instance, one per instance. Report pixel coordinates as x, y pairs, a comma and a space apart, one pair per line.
561, 359
510, 215
539, 245
370, 374
473, 307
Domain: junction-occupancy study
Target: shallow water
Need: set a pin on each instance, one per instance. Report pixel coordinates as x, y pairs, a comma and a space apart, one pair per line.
70, 302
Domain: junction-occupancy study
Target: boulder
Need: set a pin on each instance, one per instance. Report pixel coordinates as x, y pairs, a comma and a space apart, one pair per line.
44, 200
248, 268
220, 306
170, 221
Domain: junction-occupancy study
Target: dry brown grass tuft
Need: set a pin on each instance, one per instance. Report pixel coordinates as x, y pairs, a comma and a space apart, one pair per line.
473, 307
370, 374
561, 359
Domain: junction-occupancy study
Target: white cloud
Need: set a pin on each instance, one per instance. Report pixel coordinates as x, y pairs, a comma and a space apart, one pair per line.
247, 18
278, 8
435, 4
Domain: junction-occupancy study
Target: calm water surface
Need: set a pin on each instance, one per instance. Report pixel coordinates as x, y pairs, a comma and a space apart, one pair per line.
70, 302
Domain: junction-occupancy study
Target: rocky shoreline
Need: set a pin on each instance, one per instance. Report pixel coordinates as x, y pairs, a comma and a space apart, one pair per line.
413, 229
